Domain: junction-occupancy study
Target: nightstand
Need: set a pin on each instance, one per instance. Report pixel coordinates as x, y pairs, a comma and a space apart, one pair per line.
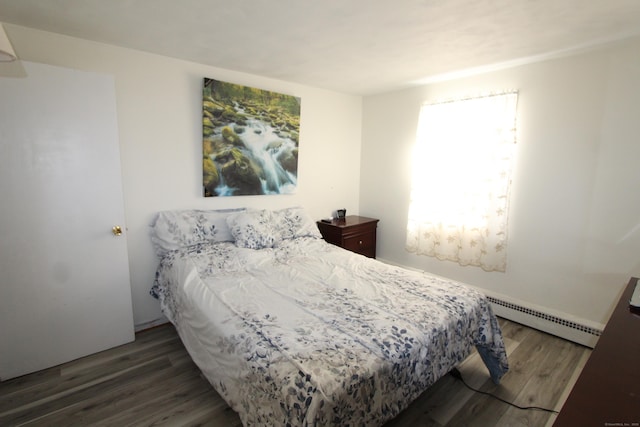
354, 233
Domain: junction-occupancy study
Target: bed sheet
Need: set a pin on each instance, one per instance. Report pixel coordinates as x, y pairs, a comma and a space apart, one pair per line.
310, 334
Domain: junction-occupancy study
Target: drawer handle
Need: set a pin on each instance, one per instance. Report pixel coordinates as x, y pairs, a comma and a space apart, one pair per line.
360, 242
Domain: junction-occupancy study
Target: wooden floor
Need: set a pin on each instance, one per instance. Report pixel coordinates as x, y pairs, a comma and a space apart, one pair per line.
153, 382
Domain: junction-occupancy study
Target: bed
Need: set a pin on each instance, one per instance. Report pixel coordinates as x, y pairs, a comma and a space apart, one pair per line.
291, 330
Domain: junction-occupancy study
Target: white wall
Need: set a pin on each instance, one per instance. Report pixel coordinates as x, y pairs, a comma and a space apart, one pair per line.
575, 214
160, 130
574, 231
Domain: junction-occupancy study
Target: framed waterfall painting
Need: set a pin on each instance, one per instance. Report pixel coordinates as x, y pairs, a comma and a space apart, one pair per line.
250, 140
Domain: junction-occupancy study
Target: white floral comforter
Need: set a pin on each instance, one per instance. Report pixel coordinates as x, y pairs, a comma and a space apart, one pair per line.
310, 334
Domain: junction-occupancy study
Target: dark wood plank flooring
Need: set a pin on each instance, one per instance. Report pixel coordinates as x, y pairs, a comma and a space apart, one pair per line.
153, 382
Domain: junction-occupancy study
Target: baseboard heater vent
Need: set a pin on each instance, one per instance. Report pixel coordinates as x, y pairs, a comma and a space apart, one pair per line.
586, 333
544, 316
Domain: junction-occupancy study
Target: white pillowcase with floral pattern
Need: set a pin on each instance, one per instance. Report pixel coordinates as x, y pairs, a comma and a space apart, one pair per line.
294, 222
253, 229
259, 229
171, 230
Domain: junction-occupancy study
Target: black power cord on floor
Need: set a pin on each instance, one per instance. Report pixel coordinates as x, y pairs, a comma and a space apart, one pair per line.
455, 373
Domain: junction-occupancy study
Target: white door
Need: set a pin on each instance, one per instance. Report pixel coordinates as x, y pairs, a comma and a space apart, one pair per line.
64, 276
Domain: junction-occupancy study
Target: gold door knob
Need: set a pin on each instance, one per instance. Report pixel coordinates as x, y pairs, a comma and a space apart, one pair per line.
117, 230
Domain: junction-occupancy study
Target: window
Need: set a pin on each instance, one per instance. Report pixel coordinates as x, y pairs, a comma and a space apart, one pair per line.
460, 185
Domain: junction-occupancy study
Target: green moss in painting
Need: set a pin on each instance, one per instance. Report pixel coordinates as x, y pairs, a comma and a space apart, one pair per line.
230, 136
210, 175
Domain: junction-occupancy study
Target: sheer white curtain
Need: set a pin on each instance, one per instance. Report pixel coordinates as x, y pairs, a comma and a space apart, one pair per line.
461, 175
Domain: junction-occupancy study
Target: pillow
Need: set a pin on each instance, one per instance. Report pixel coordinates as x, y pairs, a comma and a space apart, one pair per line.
253, 229
171, 230
294, 222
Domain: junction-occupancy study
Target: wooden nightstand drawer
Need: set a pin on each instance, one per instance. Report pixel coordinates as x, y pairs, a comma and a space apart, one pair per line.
360, 242
354, 233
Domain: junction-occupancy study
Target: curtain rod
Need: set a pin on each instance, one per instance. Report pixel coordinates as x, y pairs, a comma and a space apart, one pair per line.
486, 95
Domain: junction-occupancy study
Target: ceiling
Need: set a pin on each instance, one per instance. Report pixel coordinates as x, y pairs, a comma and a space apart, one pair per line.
352, 46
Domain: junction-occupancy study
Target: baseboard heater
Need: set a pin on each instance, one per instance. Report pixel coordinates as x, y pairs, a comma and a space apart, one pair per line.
572, 330
559, 324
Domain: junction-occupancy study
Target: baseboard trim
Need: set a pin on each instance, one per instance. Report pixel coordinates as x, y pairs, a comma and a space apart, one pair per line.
151, 324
